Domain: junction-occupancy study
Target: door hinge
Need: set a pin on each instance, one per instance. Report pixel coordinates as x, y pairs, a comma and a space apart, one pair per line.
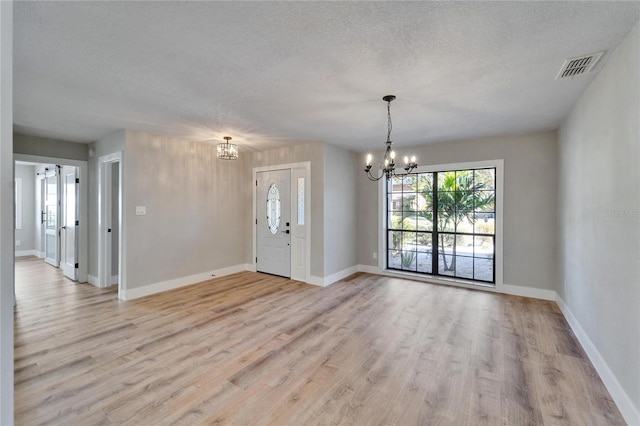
77, 180
77, 223
76, 265
256, 183
256, 221
256, 260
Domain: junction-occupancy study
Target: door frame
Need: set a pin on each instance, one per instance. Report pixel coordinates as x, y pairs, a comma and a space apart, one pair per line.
306, 166
82, 232
104, 210
69, 272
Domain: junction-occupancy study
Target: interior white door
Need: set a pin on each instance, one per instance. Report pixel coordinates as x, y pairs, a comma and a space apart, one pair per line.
68, 243
51, 218
273, 236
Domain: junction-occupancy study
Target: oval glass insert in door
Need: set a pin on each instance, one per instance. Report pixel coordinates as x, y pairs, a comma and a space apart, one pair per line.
273, 209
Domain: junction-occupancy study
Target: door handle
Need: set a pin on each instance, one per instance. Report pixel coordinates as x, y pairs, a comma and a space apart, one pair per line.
285, 232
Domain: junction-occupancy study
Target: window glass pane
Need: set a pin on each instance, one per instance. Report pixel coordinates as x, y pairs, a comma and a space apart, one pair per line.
485, 223
483, 269
464, 222
464, 245
409, 222
445, 264
424, 223
300, 201
395, 202
396, 184
464, 180
395, 240
446, 181
409, 240
395, 220
464, 267
393, 259
485, 201
409, 202
446, 201
483, 247
409, 260
423, 242
485, 179
273, 209
446, 222
424, 263
409, 183
425, 182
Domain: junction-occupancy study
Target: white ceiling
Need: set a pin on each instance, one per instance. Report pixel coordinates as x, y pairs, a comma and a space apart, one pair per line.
276, 73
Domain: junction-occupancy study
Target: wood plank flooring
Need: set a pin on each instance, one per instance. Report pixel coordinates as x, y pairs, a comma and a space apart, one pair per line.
252, 349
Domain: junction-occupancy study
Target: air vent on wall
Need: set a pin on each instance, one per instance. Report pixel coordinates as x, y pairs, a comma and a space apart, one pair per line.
579, 65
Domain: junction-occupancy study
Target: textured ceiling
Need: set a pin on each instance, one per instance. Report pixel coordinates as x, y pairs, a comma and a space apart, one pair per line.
276, 73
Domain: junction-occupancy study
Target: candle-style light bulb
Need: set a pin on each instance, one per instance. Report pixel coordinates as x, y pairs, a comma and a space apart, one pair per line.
386, 162
369, 158
413, 158
406, 160
393, 155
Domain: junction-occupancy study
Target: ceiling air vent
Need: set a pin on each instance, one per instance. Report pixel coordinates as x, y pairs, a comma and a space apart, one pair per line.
579, 65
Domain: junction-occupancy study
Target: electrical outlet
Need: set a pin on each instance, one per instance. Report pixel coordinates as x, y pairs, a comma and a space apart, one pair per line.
17, 243
374, 255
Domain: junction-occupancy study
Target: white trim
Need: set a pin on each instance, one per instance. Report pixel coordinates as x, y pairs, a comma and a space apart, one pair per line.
499, 241
18, 203
93, 280
83, 200
306, 165
20, 253
129, 294
39, 254
114, 279
625, 404
531, 292
333, 278
514, 290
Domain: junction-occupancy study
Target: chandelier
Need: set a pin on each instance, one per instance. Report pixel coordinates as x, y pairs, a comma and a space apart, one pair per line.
388, 165
226, 150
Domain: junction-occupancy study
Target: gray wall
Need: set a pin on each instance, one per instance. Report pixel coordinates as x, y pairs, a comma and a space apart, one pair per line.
33, 145
599, 205
26, 235
340, 205
195, 219
313, 152
530, 176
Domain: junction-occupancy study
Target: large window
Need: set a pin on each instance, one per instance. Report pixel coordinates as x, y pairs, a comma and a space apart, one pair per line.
443, 223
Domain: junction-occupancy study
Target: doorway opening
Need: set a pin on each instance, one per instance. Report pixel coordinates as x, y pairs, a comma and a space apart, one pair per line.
110, 222
51, 212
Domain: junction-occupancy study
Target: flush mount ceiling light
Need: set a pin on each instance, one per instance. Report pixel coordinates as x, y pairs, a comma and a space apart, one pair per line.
388, 165
227, 151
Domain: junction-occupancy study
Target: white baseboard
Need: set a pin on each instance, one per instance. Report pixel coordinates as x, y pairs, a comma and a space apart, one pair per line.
532, 292
333, 278
629, 411
515, 290
40, 254
92, 280
114, 279
20, 253
147, 290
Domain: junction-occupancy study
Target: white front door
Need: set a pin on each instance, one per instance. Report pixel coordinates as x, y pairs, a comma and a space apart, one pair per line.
273, 236
51, 218
68, 244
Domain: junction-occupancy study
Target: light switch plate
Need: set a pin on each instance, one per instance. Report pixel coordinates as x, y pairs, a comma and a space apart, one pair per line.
141, 210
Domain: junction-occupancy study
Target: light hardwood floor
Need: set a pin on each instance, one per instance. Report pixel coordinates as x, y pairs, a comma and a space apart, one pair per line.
255, 349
